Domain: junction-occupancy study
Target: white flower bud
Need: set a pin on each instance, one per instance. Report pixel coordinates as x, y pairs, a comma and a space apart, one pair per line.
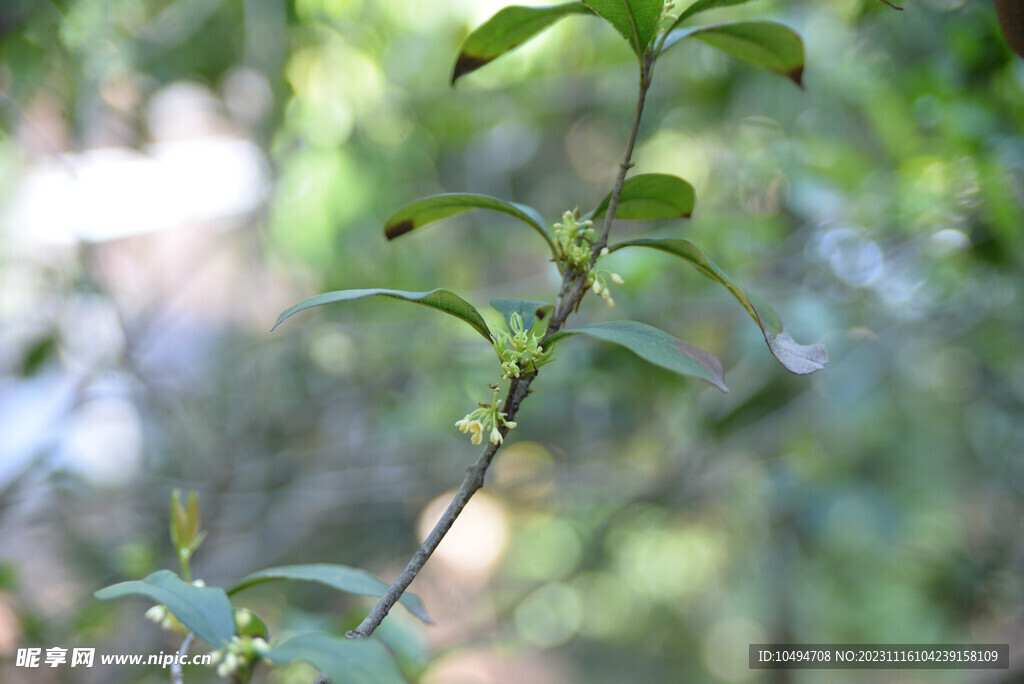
617, 279
603, 252
156, 614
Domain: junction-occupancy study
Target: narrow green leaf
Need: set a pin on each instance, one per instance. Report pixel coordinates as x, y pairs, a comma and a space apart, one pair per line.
703, 6
655, 346
340, 577
204, 610
636, 20
440, 299
530, 310
179, 522
344, 661
507, 30
436, 207
650, 196
764, 43
796, 358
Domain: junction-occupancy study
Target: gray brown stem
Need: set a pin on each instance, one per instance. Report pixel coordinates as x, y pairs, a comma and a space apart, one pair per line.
570, 295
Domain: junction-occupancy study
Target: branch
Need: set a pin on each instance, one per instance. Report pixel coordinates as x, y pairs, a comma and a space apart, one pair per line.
177, 675
473, 481
569, 297
627, 159
572, 283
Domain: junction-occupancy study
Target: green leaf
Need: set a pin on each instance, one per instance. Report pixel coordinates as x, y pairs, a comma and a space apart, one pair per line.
530, 310
344, 661
797, 358
340, 577
764, 43
38, 354
703, 6
636, 20
507, 30
655, 346
436, 207
185, 522
204, 610
440, 299
651, 196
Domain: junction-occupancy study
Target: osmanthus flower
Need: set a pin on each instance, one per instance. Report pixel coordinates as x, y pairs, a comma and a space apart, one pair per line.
518, 349
487, 417
472, 425
166, 619
241, 654
573, 239
600, 286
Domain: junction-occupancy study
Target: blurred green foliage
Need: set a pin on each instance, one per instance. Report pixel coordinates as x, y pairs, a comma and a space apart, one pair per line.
650, 528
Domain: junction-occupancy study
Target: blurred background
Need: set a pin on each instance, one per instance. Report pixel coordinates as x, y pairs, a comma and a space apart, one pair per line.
174, 174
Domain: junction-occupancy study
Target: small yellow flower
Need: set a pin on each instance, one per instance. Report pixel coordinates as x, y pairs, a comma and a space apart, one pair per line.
477, 428
228, 665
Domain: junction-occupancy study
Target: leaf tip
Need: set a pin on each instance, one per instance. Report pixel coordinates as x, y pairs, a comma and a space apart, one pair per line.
796, 75
467, 63
398, 229
280, 319
798, 359
710, 362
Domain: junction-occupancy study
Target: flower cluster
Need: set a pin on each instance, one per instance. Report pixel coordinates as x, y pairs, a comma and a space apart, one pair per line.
239, 655
165, 618
573, 239
573, 244
518, 349
600, 285
487, 417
